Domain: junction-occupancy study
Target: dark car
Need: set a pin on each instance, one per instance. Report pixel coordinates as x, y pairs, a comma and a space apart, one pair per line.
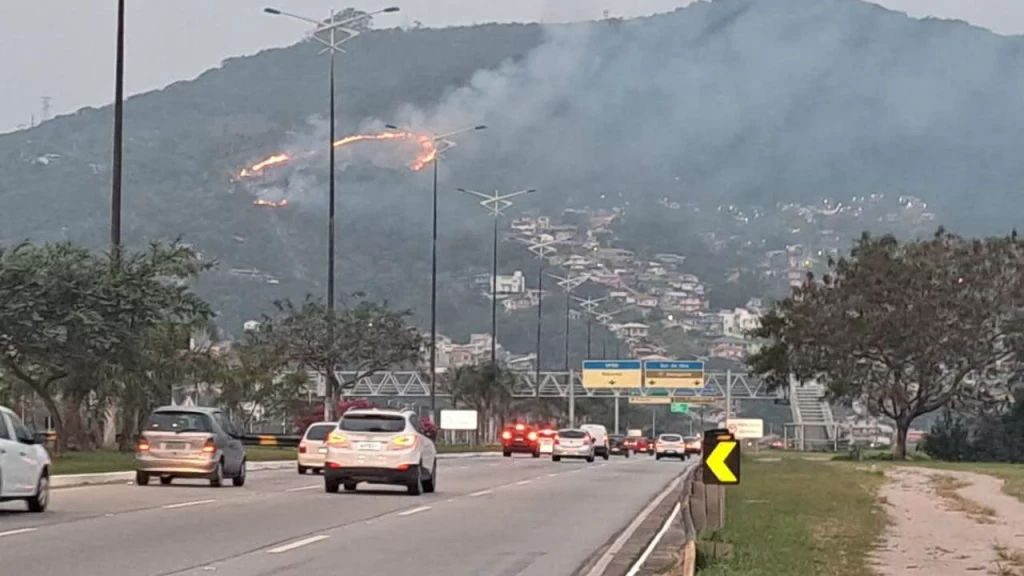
618, 444
520, 438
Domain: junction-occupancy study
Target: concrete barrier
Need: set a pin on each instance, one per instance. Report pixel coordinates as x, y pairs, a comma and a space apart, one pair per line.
128, 477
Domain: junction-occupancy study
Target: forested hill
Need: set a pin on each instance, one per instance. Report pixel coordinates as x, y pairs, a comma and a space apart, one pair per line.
733, 101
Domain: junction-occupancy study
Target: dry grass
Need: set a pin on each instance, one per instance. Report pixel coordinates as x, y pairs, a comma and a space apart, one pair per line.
1008, 562
946, 487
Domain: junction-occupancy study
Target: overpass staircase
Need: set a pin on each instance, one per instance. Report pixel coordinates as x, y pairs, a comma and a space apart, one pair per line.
814, 423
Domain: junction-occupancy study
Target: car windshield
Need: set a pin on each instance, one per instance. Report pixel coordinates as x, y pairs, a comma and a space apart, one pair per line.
318, 432
372, 423
671, 438
169, 421
572, 434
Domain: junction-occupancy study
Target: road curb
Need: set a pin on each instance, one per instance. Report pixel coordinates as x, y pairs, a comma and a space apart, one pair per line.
128, 477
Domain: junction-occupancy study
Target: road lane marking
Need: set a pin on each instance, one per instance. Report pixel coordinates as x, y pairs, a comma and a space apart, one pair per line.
524, 482
187, 504
19, 531
609, 555
414, 511
553, 474
657, 538
301, 488
480, 493
298, 544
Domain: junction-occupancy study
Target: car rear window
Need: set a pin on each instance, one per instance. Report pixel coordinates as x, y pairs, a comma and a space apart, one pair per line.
372, 423
572, 434
671, 438
169, 421
319, 432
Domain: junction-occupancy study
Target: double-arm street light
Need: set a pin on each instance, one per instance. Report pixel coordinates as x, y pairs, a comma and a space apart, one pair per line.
337, 33
541, 251
116, 168
570, 283
495, 204
590, 306
442, 143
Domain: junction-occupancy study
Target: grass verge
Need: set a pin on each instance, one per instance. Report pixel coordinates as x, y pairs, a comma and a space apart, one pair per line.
800, 517
946, 487
99, 461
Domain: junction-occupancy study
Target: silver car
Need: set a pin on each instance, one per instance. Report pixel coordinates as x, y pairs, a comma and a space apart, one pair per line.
380, 447
670, 446
573, 443
190, 442
313, 447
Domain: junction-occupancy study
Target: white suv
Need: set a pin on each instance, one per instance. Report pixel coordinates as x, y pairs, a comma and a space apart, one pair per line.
380, 447
600, 435
24, 464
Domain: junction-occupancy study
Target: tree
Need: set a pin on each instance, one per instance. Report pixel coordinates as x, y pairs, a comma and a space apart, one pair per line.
485, 388
255, 376
909, 328
362, 340
316, 414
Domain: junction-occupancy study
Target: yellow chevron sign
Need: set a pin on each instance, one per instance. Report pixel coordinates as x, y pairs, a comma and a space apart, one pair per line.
721, 458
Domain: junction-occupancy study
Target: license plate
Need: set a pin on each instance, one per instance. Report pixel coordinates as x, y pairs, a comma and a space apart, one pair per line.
519, 438
322, 450
368, 446
175, 446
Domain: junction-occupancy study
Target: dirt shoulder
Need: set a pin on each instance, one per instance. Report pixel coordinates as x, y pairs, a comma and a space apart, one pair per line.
950, 523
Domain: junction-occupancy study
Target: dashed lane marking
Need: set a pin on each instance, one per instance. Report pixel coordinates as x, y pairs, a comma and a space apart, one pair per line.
523, 482
301, 488
187, 504
480, 493
16, 532
298, 544
414, 511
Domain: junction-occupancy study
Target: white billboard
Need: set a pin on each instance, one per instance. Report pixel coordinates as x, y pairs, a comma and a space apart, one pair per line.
459, 420
744, 428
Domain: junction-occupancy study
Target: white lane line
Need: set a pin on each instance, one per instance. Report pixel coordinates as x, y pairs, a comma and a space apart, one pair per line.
480, 493
298, 544
657, 538
301, 488
187, 504
553, 474
523, 483
19, 531
414, 511
609, 554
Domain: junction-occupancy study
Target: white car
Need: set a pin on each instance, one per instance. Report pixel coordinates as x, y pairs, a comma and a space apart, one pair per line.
24, 464
600, 435
380, 447
670, 446
313, 447
572, 443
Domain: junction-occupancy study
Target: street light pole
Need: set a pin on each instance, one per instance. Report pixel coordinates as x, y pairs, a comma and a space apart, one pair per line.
442, 143
540, 249
590, 305
116, 166
496, 204
332, 45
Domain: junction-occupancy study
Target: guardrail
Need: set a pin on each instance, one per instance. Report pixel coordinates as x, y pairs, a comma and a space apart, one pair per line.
282, 440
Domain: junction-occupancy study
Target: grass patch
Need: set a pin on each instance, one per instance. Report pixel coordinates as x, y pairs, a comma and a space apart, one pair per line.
946, 487
801, 517
95, 462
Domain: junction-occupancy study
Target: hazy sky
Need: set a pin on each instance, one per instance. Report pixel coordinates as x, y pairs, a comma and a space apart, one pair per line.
65, 49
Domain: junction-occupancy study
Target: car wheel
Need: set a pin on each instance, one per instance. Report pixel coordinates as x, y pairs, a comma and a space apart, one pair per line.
141, 478
657, 456
605, 455
350, 486
331, 485
239, 480
41, 500
506, 454
556, 458
590, 458
303, 469
416, 485
627, 453
166, 480
536, 454
430, 484
217, 478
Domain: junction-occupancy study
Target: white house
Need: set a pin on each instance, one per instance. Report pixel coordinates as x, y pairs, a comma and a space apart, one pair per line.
737, 322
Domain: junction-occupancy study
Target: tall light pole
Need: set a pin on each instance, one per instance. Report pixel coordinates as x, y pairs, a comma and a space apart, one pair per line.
116, 165
570, 283
590, 306
541, 251
332, 44
495, 204
442, 143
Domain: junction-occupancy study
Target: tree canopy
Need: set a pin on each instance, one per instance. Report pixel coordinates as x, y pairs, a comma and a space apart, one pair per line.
907, 327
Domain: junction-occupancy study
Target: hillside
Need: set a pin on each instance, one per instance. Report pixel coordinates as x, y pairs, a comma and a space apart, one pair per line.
745, 102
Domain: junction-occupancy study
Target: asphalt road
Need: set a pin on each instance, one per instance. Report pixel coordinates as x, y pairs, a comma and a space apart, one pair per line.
489, 517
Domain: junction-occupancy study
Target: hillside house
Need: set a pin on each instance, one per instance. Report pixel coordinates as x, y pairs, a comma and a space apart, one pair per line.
630, 330
616, 256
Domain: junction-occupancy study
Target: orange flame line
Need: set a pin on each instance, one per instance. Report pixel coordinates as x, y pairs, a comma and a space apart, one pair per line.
427, 154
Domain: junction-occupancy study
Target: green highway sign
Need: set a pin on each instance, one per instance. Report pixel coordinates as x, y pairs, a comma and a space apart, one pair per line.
679, 407
658, 392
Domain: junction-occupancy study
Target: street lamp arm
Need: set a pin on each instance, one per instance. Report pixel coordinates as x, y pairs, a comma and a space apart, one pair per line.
321, 27
276, 12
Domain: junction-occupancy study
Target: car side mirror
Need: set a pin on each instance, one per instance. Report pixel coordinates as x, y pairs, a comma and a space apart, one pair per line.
28, 440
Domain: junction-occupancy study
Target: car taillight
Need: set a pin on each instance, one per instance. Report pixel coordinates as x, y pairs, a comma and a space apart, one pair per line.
532, 436
337, 439
302, 448
404, 441
209, 447
586, 441
558, 440
506, 435
143, 445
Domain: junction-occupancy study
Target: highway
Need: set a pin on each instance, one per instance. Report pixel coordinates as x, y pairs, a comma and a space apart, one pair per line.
489, 517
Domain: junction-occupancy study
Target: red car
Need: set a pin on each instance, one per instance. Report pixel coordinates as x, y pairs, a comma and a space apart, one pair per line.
520, 438
642, 444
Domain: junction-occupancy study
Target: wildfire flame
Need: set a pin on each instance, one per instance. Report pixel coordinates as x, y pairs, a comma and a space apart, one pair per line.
427, 154
271, 203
